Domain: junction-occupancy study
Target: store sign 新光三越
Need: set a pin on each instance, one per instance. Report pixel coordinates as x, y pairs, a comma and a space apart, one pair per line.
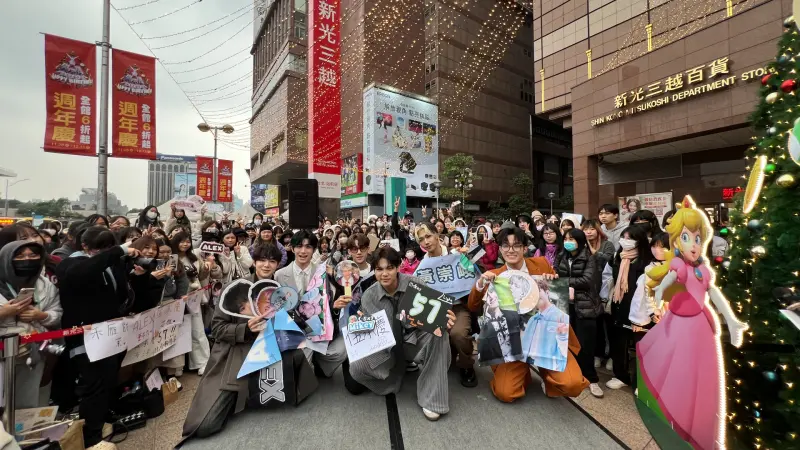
690, 83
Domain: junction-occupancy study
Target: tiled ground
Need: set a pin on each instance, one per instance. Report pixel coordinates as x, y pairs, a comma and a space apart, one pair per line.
615, 411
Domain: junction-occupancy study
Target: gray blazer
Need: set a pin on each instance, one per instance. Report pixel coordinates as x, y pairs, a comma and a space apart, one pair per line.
285, 276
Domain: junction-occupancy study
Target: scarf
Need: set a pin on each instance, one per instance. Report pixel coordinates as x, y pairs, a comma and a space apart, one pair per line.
550, 253
622, 278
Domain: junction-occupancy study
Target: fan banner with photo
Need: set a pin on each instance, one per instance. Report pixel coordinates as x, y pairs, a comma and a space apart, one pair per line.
424, 308
525, 318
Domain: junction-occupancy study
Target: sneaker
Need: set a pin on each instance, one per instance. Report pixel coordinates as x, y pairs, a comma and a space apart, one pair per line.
430, 415
636, 392
201, 371
468, 378
610, 365
615, 384
411, 366
598, 362
178, 373
594, 388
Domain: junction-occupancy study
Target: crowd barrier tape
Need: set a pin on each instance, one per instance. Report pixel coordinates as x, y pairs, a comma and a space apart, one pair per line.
74, 331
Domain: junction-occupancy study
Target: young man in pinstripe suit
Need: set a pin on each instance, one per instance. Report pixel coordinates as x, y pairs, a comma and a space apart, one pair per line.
382, 372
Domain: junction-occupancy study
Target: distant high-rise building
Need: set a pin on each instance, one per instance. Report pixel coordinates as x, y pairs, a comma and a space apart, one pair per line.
170, 176
86, 204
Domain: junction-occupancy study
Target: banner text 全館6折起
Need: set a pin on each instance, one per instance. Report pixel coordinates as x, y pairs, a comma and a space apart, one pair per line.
401, 139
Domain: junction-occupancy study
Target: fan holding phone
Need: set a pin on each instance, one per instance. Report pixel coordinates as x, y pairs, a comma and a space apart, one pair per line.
29, 303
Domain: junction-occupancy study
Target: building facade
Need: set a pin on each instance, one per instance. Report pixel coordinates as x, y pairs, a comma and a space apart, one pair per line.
474, 61
170, 176
657, 94
86, 204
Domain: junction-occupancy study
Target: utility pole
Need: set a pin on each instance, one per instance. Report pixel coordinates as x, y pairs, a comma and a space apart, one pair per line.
102, 154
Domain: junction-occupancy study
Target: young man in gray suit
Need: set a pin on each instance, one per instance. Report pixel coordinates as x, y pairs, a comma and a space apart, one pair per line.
298, 275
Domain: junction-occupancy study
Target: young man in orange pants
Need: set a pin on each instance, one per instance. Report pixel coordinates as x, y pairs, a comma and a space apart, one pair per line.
512, 378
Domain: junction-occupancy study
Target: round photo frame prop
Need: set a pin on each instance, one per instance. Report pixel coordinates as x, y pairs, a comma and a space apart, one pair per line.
260, 293
523, 288
284, 298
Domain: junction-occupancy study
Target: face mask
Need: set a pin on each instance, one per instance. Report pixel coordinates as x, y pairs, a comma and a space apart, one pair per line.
539, 227
27, 268
627, 244
645, 226
257, 222
213, 231
151, 215
410, 256
570, 246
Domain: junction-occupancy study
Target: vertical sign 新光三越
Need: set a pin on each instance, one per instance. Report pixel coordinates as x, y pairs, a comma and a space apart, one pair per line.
71, 96
133, 105
324, 97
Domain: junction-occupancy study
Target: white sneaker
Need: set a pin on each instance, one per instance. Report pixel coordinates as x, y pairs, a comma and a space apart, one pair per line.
594, 388
636, 392
598, 362
201, 371
610, 365
178, 373
615, 384
430, 415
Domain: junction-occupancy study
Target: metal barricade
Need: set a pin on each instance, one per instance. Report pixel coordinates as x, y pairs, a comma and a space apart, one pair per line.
9, 355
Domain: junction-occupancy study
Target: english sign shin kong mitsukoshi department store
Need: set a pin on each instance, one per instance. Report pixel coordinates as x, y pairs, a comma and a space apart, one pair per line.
678, 87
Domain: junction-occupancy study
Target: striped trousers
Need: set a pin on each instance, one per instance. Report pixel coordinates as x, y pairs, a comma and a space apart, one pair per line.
385, 375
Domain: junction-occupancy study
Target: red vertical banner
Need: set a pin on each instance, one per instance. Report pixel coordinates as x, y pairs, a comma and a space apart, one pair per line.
205, 177
324, 96
133, 105
71, 96
224, 181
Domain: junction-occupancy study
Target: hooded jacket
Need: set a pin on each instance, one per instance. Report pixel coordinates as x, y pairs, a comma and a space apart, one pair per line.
93, 289
614, 233
584, 279
45, 295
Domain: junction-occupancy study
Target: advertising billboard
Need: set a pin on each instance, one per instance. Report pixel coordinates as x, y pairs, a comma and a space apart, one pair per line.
185, 185
401, 139
257, 196
352, 166
271, 196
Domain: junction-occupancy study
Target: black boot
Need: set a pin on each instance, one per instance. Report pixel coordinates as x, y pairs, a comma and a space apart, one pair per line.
352, 386
468, 377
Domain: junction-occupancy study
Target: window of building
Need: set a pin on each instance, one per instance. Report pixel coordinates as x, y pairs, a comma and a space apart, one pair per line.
299, 25
569, 167
546, 187
550, 164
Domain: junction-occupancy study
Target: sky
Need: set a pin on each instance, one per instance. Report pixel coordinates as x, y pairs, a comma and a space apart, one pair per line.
22, 90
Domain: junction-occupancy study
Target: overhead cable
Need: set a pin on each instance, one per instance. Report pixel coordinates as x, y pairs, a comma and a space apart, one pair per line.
165, 14
250, 8
139, 5
204, 34
212, 49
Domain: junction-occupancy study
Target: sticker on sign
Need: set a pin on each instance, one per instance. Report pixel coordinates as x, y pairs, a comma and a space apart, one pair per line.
212, 247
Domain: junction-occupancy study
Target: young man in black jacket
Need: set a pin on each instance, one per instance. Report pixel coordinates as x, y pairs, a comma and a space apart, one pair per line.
93, 287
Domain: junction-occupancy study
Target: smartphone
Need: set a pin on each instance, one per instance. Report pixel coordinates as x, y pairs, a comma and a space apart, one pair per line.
160, 264
25, 294
173, 261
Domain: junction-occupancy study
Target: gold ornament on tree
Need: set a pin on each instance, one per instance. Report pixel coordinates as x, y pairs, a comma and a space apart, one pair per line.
772, 97
758, 251
754, 183
786, 180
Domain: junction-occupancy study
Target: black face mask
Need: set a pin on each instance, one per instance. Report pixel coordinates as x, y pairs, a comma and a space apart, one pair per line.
27, 268
207, 236
645, 226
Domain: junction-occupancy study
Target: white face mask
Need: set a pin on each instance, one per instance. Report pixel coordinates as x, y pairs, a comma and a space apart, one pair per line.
627, 244
151, 215
257, 222
379, 224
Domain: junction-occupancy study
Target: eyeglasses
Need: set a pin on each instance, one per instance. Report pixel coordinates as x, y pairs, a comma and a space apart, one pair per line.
549, 233
364, 249
515, 247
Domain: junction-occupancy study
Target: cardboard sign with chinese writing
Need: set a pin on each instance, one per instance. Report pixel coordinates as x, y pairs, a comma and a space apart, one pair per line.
424, 308
133, 105
105, 339
361, 345
450, 274
224, 181
205, 177
70, 93
159, 342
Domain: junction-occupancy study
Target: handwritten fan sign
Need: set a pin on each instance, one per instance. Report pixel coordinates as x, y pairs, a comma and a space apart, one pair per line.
183, 344
104, 339
139, 328
424, 308
212, 247
168, 314
159, 342
449, 274
193, 301
361, 345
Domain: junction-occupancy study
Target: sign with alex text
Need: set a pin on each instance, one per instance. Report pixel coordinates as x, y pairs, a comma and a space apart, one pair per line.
212, 247
324, 97
224, 181
451, 274
690, 83
424, 308
133, 105
401, 139
205, 177
352, 166
71, 96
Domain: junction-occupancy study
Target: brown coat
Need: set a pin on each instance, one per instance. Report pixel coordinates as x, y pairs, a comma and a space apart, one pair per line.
232, 342
570, 382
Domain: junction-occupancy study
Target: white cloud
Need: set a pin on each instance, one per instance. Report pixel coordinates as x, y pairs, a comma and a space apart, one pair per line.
22, 91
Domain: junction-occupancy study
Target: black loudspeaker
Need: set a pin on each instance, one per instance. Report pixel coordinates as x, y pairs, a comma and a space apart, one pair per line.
303, 203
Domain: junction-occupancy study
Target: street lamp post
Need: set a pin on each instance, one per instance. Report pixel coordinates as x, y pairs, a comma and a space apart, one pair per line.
436, 185
227, 129
551, 196
8, 186
464, 181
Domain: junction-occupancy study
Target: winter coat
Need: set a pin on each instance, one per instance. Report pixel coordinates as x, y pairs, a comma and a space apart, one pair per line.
408, 268
176, 287
45, 294
604, 254
584, 279
147, 289
235, 266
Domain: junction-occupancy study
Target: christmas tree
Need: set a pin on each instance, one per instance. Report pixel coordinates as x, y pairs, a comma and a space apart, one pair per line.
762, 274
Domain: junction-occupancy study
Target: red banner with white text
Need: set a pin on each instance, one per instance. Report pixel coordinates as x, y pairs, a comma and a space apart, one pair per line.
324, 97
205, 177
71, 94
225, 181
133, 105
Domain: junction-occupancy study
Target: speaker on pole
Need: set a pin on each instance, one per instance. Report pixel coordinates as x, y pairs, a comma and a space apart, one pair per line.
303, 203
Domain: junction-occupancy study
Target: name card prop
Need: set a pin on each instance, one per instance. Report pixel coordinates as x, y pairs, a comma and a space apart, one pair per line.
425, 308
212, 247
449, 274
361, 345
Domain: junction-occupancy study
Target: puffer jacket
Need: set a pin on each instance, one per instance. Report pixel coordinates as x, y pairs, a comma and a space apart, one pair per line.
583, 279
